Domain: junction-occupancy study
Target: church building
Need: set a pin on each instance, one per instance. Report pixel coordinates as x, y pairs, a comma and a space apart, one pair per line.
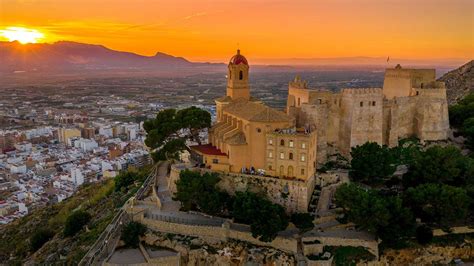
251, 137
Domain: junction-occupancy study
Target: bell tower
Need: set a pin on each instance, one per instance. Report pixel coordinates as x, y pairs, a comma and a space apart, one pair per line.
238, 77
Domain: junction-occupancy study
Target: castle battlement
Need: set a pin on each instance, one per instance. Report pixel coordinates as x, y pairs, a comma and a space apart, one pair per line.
361, 91
411, 103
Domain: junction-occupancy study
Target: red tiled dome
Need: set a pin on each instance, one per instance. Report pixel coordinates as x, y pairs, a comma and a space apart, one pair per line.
239, 59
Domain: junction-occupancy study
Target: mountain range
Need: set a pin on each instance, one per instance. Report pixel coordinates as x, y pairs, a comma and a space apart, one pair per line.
67, 56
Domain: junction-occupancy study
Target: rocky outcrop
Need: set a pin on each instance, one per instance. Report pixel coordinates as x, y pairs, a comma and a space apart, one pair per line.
459, 82
196, 251
431, 255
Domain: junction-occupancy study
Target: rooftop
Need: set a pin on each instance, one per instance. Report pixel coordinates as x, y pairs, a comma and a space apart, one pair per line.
208, 149
256, 112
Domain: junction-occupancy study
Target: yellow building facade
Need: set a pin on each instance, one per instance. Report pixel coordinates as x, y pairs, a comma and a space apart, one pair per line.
246, 133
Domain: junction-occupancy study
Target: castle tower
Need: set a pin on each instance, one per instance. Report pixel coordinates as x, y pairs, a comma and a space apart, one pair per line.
238, 77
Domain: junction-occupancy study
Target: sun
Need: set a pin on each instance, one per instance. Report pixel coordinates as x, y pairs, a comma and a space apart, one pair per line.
23, 35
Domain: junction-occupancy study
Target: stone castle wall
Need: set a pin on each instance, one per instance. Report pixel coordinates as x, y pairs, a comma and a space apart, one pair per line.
411, 104
293, 195
223, 233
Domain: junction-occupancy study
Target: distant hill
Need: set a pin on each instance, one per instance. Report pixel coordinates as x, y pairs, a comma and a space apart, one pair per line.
65, 56
459, 82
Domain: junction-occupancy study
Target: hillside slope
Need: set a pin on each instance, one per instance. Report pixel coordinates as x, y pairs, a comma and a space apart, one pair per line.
101, 200
459, 82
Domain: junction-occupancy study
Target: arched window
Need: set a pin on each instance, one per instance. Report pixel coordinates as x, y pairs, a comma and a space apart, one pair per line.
282, 143
291, 143
291, 156
282, 170
282, 155
241, 75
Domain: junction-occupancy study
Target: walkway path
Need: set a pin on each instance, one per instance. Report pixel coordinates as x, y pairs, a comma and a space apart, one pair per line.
167, 202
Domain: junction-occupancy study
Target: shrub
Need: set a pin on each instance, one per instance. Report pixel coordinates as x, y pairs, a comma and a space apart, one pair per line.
424, 234
39, 238
75, 222
304, 221
131, 233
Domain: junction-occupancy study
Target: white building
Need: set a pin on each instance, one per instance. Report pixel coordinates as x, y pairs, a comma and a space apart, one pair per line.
18, 168
86, 145
77, 177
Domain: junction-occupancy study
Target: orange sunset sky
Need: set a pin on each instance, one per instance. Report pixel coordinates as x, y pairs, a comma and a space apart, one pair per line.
211, 30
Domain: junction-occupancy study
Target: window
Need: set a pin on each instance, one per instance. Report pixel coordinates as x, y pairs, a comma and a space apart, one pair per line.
282, 155
303, 145
291, 156
241, 75
373, 103
303, 157
320, 101
361, 104
291, 143
270, 141
270, 154
215, 161
417, 93
302, 171
259, 130
269, 167
299, 101
282, 143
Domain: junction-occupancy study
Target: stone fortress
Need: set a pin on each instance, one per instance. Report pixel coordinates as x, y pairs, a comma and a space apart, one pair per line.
410, 104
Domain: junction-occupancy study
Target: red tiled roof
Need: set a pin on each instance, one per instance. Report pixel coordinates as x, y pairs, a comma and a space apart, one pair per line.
239, 59
208, 149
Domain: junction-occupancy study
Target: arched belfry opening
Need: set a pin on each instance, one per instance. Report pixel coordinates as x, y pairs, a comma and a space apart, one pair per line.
241, 75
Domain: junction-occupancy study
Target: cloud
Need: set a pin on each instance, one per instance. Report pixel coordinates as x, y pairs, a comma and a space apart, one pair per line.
200, 14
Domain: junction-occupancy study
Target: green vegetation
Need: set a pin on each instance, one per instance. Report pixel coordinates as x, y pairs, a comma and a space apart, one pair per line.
75, 222
441, 165
304, 221
438, 188
385, 216
350, 255
266, 219
199, 192
19, 239
40, 237
424, 234
125, 179
438, 204
371, 162
461, 116
168, 132
131, 233
344, 255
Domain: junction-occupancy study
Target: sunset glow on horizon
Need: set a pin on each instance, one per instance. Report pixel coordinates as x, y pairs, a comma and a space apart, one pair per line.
210, 30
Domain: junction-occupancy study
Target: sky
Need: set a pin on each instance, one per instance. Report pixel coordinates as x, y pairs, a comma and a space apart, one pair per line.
211, 30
